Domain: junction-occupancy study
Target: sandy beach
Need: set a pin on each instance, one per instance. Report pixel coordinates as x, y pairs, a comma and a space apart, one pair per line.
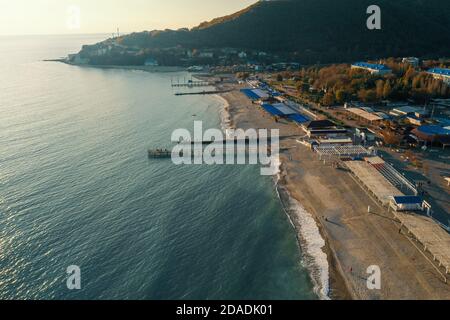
353, 239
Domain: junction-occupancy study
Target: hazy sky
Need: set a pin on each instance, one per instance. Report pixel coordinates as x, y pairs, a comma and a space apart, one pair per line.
104, 16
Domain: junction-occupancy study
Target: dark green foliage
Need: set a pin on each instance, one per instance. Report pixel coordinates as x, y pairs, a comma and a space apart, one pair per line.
325, 31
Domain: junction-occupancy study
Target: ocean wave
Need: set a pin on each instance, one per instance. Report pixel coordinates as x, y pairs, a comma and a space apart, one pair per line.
225, 116
311, 241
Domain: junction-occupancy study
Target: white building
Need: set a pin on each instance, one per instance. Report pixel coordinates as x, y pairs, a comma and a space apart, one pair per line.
440, 74
150, 62
406, 203
372, 68
412, 61
242, 55
206, 54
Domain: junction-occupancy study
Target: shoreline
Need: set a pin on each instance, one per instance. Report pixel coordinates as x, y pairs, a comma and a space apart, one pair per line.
315, 251
353, 239
156, 69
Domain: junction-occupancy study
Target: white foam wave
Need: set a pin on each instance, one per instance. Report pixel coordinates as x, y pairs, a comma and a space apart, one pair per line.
311, 242
225, 117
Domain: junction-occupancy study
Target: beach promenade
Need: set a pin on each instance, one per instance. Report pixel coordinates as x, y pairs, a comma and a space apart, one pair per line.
355, 239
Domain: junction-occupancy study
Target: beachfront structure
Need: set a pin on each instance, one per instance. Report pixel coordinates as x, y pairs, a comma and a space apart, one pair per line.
407, 203
374, 181
283, 111
440, 74
255, 94
328, 152
206, 54
150, 62
409, 110
433, 134
416, 121
365, 134
335, 141
242, 55
411, 61
380, 69
321, 128
392, 175
367, 115
431, 235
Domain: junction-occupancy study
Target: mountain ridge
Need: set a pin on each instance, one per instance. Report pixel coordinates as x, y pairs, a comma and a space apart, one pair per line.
317, 30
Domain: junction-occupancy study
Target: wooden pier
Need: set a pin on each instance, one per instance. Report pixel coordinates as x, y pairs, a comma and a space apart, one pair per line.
190, 83
201, 92
159, 153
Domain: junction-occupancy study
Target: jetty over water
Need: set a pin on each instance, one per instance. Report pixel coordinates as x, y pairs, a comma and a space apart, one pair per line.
201, 92
191, 83
159, 153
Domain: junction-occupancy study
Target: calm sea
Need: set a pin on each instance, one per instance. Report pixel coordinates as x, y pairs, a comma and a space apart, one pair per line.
77, 188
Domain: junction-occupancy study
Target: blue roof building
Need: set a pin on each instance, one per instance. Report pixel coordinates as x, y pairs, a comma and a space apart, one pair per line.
433, 134
372, 68
440, 74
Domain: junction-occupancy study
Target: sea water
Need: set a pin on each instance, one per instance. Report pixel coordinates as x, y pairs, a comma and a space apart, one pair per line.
77, 188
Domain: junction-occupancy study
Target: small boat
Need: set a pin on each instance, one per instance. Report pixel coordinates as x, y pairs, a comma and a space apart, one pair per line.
161, 153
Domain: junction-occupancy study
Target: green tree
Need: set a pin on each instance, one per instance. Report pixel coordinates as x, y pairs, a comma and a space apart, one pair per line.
341, 96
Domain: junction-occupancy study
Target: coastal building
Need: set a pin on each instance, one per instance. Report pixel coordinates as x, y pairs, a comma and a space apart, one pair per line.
380, 69
365, 134
440, 74
365, 114
150, 62
433, 134
383, 115
409, 110
335, 141
416, 121
196, 69
407, 203
206, 54
441, 103
411, 61
255, 94
242, 55
374, 181
322, 128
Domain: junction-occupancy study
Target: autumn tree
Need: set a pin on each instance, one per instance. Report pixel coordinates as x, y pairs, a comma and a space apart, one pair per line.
390, 137
328, 99
341, 96
380, 89
387, 90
